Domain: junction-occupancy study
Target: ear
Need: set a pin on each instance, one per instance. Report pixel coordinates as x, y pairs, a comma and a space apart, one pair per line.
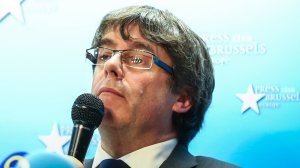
183, 102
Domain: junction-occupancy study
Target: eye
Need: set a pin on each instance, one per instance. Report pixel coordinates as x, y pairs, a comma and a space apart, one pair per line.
103, 58
136, 60
133, 59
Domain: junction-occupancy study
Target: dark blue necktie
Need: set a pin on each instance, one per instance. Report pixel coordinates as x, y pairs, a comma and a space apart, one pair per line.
113, 163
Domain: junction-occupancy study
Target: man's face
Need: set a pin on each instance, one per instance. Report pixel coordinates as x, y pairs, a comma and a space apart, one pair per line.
138, 100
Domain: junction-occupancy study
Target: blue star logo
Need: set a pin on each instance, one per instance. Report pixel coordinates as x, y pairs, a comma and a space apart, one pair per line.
55, 142
11, 7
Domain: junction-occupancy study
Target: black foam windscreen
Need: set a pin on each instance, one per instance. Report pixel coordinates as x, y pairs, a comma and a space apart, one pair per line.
87, 110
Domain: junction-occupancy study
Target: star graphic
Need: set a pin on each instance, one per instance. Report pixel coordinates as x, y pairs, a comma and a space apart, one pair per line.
12, 7
250, 100
55, 141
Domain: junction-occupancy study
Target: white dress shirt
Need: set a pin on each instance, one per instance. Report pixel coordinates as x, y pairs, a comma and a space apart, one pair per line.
148, 157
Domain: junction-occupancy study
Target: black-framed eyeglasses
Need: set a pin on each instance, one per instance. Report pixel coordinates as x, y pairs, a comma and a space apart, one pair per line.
134, 58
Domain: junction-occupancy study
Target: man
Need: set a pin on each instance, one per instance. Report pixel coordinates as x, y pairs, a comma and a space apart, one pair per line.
155, 78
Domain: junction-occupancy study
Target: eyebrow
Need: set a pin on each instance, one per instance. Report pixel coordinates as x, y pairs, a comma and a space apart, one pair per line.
135, 44
142, 45
107, 41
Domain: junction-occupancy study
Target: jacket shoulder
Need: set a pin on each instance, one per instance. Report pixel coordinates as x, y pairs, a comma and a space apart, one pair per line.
208, 162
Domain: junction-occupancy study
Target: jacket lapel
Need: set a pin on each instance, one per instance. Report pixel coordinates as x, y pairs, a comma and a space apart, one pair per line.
180, 158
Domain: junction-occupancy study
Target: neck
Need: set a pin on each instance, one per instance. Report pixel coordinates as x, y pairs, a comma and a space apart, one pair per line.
118, 143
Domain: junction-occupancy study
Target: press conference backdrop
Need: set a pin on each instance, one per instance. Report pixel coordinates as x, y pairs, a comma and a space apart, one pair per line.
254, 117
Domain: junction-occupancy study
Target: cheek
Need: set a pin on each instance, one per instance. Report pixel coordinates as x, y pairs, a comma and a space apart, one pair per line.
152, 94
155, 106
141, 90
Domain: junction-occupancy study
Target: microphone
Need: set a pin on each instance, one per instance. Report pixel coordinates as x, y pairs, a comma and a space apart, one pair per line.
87, 114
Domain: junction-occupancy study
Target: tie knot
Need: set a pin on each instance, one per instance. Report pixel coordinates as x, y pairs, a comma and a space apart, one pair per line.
113, 163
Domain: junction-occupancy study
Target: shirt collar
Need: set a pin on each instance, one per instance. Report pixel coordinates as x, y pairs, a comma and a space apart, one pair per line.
148, 157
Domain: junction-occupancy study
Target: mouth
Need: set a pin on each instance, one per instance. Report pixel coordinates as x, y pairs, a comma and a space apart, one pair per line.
107, 90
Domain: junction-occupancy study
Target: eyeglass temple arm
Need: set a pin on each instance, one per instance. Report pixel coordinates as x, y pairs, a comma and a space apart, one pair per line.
90, 57
163, 65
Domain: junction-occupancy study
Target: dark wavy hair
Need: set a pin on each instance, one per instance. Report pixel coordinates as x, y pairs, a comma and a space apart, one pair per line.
193, 70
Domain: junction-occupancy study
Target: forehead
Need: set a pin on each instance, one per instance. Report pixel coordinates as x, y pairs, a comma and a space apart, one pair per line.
131, 35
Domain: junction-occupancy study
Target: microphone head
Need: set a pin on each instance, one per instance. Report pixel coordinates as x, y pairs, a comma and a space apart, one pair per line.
88, 110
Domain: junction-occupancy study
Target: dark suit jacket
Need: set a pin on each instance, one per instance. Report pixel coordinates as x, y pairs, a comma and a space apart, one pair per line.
181, 158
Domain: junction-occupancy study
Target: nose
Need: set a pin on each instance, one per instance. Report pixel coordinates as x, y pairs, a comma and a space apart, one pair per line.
113, 67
